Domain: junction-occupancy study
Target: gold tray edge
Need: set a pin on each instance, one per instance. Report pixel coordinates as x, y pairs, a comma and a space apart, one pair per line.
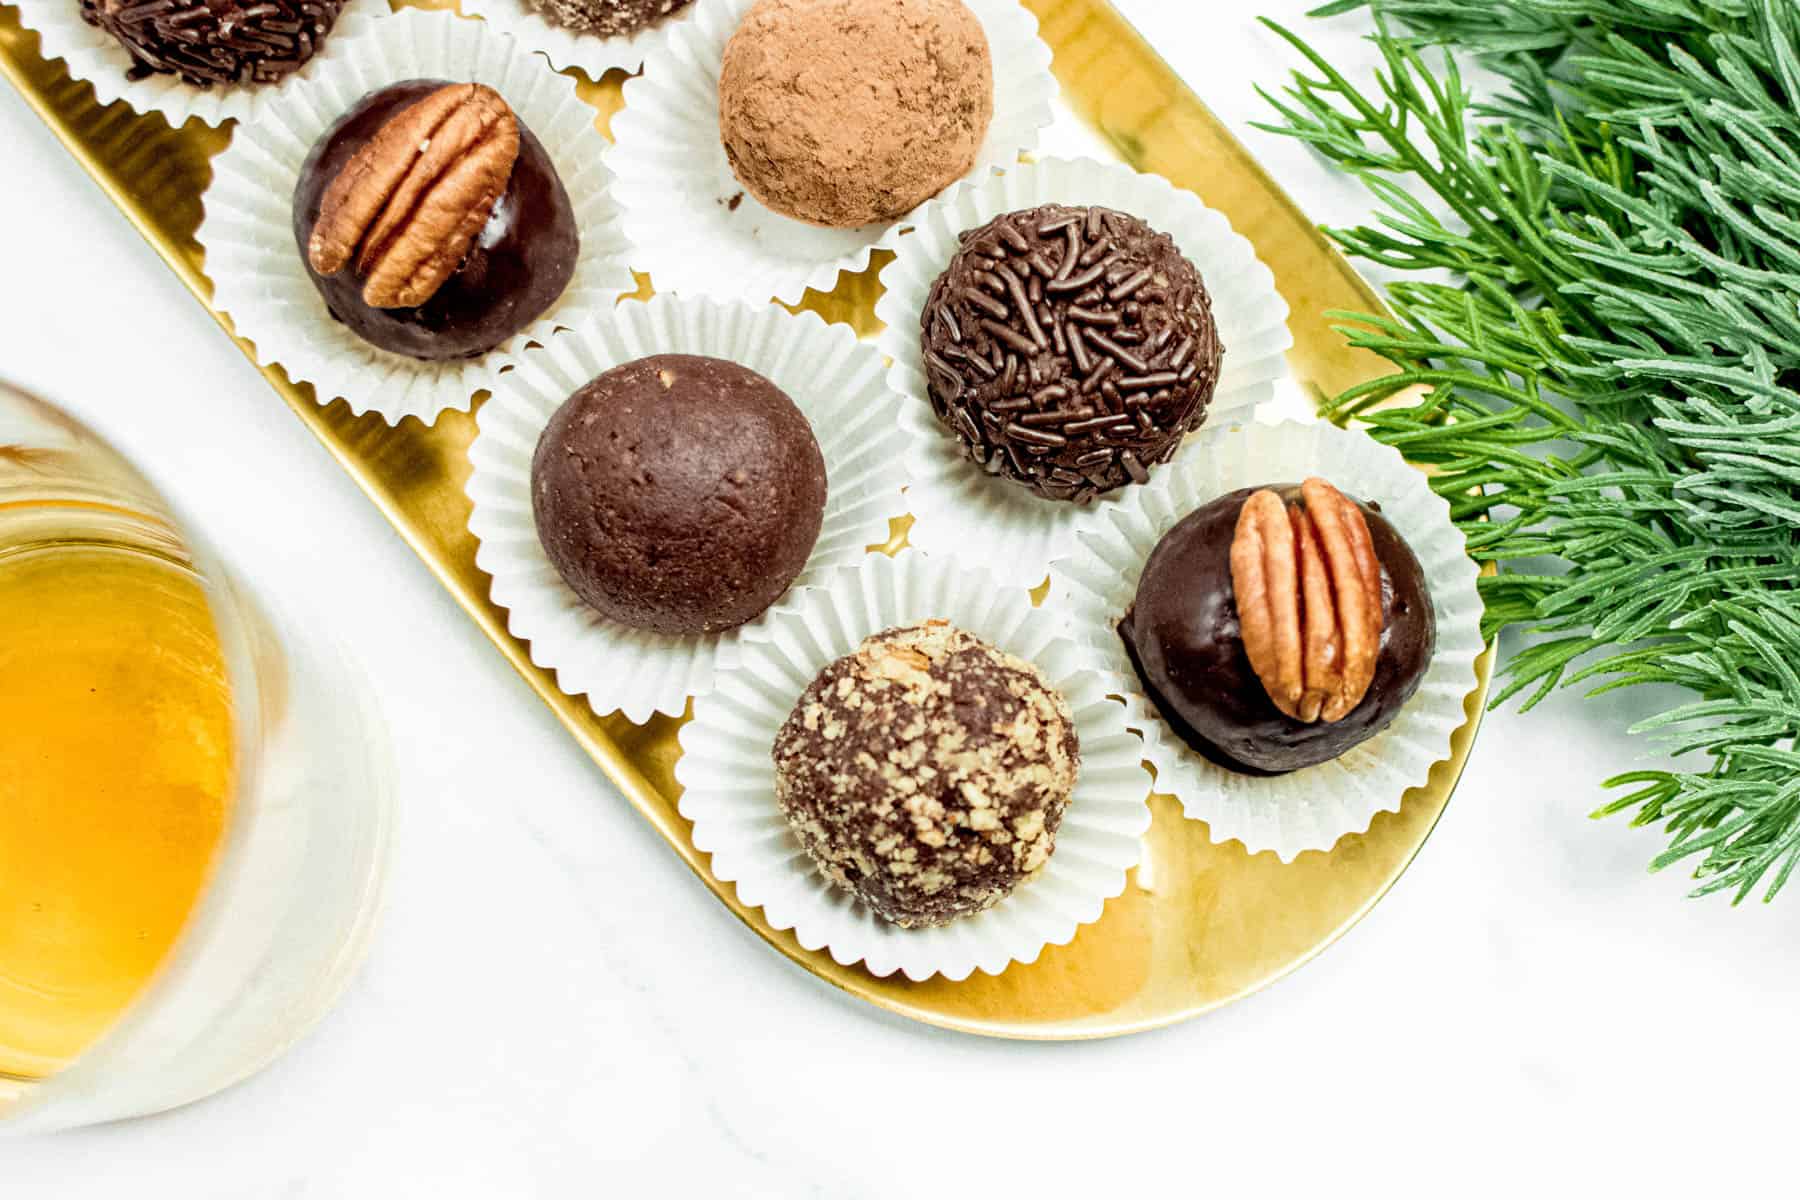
1462, 745
573, 712
300, 400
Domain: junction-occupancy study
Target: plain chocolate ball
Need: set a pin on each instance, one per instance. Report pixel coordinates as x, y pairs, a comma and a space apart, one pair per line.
678, 494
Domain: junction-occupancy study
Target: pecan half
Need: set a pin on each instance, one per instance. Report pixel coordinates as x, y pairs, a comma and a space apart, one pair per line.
1308, 589
409, 204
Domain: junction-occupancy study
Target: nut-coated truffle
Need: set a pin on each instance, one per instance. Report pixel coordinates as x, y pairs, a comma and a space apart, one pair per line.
927, 773
433, 222
846, 113
606, 18
1069, 349
678, 494
1186, 635
216, 42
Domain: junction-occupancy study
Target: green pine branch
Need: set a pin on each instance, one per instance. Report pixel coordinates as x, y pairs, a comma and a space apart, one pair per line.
1600, 354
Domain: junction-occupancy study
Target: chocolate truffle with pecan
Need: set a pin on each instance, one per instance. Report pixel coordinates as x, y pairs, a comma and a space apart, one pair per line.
432, 221
678, 494
1277, 628
606, 18
1069, 349
208, 42
927, 773
846, 113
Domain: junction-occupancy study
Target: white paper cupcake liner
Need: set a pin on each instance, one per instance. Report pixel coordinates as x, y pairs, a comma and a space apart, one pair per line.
260, 280
696, 229
835, 380
594, 56
96, 56
729, 777
1310, 809
1008, 529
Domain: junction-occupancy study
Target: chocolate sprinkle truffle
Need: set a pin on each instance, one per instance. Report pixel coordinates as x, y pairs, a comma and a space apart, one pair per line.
678, 494
606, 18
208, 42
845, 113
432, 221
1069, 349
1277, 628
927, 772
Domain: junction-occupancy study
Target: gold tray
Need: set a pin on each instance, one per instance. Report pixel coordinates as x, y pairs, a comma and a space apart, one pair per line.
1200, 925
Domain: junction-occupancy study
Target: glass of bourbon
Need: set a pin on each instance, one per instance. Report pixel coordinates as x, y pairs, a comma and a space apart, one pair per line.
195, 807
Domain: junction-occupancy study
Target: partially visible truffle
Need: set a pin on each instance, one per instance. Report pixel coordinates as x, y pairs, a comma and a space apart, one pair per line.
1069, 349
515, 264
678, 494
216, 42
845, 113
606, 18
927, 772
1184, 634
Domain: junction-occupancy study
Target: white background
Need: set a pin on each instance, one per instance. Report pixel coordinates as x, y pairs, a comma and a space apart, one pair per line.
555, 1008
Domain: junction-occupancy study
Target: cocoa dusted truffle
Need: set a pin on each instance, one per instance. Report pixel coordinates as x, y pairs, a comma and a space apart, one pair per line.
927, 772
850, 112
432, 221
678, 494
1069, 349
1277, 628
222, 42
606, 18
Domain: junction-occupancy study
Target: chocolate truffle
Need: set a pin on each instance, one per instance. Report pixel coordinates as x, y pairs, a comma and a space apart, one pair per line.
605, 18
207, 42
1069, 349
678, 494
1277, 628
851, 112
432, 221
927, 773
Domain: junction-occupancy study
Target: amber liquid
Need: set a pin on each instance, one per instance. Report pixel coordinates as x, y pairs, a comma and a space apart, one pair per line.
116, 764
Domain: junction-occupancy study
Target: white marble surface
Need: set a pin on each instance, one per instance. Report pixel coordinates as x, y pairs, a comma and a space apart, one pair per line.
554, 1007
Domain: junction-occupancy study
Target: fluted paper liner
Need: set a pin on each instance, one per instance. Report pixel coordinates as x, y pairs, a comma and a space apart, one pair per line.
590, 53
696, 229
728, 773
1005, 527
1313, 808
96, 56
835, 380
260, 280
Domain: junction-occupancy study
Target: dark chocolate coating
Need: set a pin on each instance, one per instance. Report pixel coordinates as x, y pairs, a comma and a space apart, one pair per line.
927, 772
1070, 349
1182, 634
223, 42
517, 268
678, 494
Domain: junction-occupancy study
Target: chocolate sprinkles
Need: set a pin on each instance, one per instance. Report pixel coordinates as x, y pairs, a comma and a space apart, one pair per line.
1070, 349
219, 44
